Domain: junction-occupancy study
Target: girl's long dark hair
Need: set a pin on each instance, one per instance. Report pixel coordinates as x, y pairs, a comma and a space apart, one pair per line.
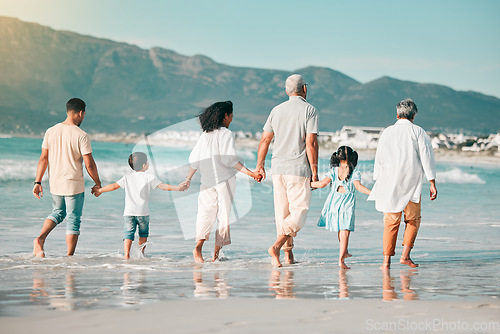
345, 153
211, 118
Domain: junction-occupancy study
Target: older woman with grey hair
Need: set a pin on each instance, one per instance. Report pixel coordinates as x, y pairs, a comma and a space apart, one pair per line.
404, 157
406, 109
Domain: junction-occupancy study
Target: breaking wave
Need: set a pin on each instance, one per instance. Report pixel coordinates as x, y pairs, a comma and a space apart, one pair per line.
458, 176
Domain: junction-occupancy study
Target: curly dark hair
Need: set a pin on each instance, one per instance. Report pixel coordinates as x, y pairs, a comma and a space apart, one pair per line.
211, 118
345, 153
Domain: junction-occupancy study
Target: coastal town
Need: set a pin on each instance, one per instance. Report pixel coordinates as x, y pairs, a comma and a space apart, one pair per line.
358, 137
367, 138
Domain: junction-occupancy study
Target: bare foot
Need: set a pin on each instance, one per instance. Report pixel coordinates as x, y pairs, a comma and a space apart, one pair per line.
289, 259
385, 266
348, 254
275, 256
38, 248
198, 258
343, 265
216, 253
126, 257
408, 262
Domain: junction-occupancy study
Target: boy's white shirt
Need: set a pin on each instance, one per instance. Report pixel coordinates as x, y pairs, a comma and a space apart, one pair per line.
137, 186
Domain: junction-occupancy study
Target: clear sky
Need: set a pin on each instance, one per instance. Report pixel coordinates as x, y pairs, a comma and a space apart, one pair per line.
450, 42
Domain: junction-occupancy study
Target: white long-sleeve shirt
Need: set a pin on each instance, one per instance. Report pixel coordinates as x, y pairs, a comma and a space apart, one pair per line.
215, 156
404, 156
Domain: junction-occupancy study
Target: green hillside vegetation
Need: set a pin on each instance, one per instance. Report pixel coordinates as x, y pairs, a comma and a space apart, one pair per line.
129, 89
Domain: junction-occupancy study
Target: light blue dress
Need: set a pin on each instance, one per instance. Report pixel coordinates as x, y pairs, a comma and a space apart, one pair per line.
338, 211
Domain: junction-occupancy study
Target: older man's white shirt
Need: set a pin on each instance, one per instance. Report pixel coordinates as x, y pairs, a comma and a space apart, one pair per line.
404, 157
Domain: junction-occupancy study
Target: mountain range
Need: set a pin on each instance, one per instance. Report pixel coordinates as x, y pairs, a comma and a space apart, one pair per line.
129, 89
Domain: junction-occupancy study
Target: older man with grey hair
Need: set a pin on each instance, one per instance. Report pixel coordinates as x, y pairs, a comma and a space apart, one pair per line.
294, 126
404, 157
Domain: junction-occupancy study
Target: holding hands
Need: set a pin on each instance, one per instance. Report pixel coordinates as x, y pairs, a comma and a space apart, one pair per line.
260, 169
256, 176
183, 186
96, 190
315, 182
186, 184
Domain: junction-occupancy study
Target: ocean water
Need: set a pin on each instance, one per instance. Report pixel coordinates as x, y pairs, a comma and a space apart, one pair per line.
457, 247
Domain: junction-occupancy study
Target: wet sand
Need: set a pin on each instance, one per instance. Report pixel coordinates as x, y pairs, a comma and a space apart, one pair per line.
267, 316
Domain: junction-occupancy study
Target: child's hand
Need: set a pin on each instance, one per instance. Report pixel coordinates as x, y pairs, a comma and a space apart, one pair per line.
183, 186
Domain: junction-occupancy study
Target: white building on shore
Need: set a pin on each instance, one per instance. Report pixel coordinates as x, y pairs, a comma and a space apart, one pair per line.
358, 137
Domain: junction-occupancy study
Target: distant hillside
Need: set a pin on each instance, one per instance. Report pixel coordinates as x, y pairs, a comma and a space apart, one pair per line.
134, 90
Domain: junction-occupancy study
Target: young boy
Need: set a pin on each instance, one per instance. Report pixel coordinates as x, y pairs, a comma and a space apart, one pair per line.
137, 187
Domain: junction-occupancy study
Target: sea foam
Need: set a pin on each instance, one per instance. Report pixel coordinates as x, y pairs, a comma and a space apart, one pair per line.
458, 176
18, 170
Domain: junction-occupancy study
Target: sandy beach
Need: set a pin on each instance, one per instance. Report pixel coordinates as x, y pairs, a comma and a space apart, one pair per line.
270, 316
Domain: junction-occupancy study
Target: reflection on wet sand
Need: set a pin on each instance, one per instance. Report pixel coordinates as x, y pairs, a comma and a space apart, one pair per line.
281, 284
39, 291
218, 287
405, 276
389, 292
57, 299
133, 287
343, 284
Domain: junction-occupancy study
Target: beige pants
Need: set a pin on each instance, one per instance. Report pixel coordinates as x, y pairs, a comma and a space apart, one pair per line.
214, 204
292, 195
391, 227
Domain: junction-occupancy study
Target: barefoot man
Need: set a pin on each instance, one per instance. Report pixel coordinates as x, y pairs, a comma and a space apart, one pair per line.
294, 126
404, 157
64, 148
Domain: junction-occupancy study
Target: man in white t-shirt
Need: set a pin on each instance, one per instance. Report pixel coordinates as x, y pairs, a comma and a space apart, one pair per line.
138, 186
65, 146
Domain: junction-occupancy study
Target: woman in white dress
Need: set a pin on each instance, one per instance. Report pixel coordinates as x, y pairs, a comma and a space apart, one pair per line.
214, 155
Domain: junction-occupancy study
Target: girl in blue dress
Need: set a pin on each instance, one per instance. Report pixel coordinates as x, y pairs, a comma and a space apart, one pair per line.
338, 211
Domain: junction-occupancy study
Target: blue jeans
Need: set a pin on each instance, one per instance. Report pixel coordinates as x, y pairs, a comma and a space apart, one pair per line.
131, 223
72, 206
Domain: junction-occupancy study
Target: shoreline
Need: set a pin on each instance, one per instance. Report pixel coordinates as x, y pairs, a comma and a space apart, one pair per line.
253, 315
485, 158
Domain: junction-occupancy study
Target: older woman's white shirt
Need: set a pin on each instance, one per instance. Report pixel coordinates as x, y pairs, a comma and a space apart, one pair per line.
404, 157
214, 155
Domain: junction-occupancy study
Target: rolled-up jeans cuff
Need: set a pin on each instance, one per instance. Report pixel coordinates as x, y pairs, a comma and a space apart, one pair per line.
54, 219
